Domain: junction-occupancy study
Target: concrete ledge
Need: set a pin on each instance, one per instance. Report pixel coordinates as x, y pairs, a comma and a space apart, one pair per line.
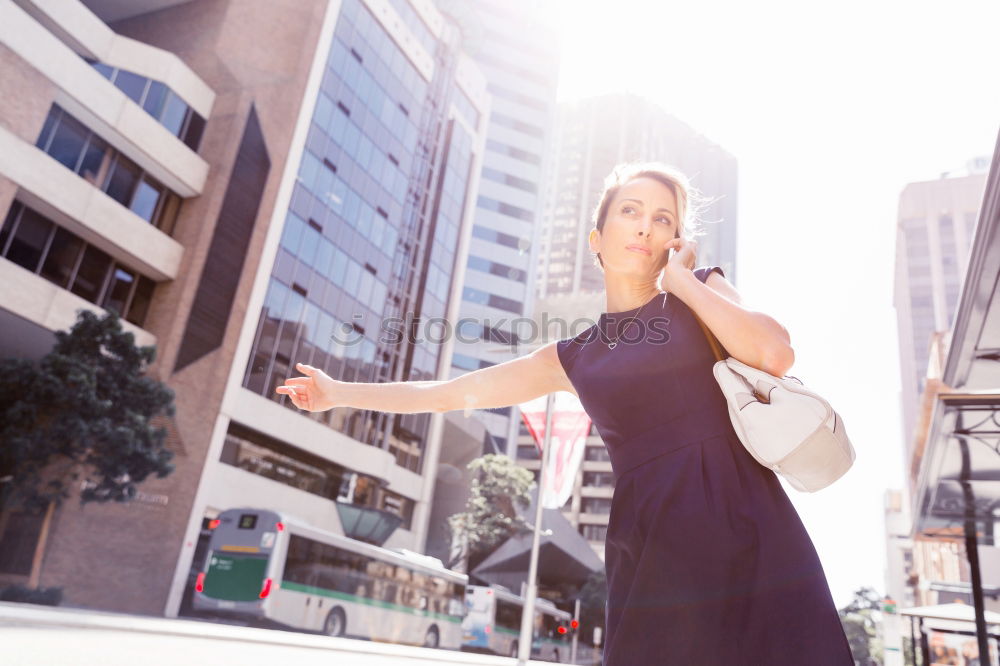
72, 202
96, 102
39, 301
85, 33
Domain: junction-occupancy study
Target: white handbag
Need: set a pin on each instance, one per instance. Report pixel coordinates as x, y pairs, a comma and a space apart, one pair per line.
785, 426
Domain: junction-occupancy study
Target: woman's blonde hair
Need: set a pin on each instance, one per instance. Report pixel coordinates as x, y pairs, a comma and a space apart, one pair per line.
690, 202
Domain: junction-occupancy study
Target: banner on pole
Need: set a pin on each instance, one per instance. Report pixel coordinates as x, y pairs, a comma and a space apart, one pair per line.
570, 426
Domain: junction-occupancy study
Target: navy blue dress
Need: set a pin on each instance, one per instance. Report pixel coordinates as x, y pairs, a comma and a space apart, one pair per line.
707, 559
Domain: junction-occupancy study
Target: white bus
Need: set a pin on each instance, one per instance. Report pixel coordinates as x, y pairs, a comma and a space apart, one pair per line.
493, 624
261, 565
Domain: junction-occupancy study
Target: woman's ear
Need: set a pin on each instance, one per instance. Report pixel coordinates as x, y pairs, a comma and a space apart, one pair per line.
594, 240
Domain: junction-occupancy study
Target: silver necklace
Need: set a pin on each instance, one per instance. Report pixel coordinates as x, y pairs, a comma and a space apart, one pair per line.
612, 345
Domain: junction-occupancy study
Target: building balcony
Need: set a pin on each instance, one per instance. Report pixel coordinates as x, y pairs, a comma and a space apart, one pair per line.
95, 101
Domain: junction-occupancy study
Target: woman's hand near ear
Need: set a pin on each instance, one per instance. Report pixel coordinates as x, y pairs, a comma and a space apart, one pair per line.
684, 259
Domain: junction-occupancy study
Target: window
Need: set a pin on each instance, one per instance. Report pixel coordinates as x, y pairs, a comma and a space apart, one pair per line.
597, 454
599, 479
598, 505
74, 146
594, 532
34, 242
29, 238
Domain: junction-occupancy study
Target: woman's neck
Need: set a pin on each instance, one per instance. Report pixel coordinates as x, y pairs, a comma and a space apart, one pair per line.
625, 296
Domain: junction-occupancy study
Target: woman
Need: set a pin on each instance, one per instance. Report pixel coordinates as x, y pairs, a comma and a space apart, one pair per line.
707, 559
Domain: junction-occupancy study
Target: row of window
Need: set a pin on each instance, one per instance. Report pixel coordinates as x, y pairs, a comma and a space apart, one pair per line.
157, 100
495, 268
511, 151
500, 238
507, 179
75, 146
516, 212
291, 466
34, 242
492, 300
322, 565
594, 532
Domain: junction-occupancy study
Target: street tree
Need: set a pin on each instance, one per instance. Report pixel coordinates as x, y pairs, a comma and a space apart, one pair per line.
490, 514
83, 414
861, 618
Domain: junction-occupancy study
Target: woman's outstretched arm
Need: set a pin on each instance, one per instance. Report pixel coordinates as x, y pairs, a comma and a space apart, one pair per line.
512, 382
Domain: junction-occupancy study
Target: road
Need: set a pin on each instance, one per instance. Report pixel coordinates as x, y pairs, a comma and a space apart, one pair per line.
43, 636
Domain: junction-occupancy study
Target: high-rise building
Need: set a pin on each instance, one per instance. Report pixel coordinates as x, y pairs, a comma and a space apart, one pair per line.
250, 184
516, 52
594, 135
934, 227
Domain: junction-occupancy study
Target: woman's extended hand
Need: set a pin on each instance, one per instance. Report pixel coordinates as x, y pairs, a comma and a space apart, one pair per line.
314, 393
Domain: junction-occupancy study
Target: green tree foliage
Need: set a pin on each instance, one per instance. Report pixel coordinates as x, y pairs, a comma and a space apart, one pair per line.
83, 409
593, 597
861, 618
490, 515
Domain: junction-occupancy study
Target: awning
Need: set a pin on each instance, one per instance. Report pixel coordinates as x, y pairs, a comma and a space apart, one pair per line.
564, 556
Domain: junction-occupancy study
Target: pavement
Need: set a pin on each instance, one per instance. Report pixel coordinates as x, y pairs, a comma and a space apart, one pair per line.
34, 635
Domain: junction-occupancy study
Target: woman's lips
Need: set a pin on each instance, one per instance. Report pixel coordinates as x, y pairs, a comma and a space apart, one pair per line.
637, 248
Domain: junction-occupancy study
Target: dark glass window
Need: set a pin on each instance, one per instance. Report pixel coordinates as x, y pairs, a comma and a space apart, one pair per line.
140, 301
122, 180
68, 141
90, 277
29, 240
116, 297
61, 258
93, 159
173, 113
131, 84
193, 132
102, 69
155, 97
147, 194
50, 124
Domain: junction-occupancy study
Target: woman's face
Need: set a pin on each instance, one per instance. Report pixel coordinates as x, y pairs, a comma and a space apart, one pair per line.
643, 214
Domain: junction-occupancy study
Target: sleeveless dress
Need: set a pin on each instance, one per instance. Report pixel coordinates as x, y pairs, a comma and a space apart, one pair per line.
707, 560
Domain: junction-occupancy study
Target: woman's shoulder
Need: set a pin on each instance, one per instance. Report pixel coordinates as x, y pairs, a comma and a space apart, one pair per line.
702, 272
569, 348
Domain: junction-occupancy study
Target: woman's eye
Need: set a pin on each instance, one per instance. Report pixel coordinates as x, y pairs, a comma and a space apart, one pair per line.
628, 210
665, 220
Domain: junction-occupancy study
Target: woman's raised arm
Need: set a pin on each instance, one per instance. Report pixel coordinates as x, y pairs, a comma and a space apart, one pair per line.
509, 383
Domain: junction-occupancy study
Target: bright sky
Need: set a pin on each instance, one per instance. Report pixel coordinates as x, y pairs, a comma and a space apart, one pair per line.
830, 109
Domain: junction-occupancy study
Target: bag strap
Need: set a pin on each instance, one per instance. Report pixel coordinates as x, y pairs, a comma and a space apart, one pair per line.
717, 348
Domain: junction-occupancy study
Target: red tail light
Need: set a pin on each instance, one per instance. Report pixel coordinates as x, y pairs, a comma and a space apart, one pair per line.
281, 527
561, 630
266, 590
212, 524
488, 629
200, 583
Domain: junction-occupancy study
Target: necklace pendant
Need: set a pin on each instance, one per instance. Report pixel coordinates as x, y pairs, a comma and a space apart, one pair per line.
611, 345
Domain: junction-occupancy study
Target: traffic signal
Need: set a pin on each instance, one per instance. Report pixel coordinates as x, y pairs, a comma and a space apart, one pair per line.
574, 624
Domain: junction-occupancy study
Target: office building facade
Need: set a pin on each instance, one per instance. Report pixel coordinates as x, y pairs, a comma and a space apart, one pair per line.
251, 187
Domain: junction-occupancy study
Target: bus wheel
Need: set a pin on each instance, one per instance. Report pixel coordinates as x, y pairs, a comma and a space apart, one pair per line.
335, 623
432, 639
557, 658
513, 649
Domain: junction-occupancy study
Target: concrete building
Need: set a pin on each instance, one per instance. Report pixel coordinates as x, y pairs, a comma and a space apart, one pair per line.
518, 56
596, 134
251, 184
934, 227
952, 464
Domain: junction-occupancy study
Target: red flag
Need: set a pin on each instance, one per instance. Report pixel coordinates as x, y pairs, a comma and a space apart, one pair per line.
570, 426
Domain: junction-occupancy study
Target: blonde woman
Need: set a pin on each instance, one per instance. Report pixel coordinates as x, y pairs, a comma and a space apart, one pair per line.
706, 558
